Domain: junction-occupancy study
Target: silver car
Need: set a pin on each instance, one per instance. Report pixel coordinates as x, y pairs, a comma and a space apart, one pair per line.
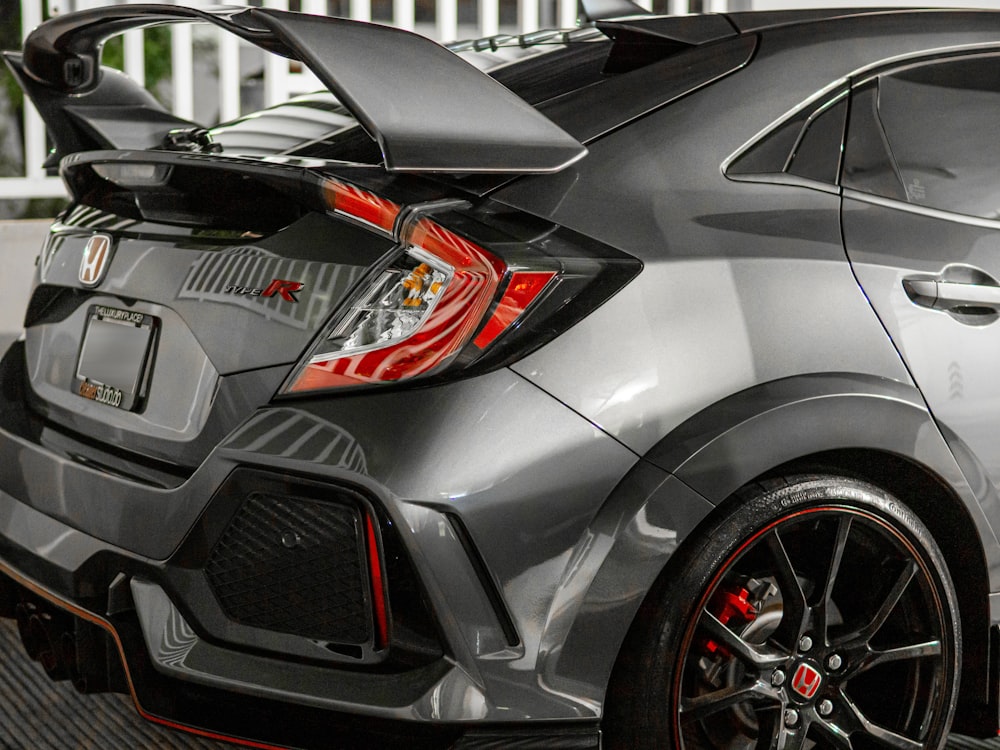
641, 391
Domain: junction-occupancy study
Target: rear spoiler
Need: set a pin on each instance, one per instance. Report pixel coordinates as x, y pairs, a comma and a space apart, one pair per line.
428, 110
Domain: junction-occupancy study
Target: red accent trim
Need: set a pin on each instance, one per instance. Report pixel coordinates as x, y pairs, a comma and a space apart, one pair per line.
360, 204
523, 288
378, 589
107, 626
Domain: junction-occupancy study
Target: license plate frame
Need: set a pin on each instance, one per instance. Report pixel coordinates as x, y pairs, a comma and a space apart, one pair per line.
116, 354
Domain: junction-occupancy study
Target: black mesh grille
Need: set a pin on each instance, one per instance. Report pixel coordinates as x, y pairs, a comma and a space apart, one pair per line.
295, 566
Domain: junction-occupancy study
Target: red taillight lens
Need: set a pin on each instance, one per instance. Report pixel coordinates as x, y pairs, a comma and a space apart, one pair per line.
523, 288
360, 204
420, 311
423, 308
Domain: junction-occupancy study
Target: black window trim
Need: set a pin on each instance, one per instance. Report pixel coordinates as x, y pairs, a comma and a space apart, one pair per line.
825, 98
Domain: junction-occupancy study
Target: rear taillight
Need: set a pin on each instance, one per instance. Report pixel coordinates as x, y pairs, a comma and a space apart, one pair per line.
421, 309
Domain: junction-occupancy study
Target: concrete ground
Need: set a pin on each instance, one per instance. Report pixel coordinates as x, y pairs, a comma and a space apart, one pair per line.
38, 714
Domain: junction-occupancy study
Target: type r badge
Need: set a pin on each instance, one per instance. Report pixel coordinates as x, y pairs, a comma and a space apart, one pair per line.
282, 287
96, 260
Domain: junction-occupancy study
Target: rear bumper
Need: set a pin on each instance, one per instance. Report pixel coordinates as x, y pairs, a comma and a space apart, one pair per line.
129, 559
117, 642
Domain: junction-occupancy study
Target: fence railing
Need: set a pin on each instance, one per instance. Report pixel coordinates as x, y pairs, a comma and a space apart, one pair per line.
193, 51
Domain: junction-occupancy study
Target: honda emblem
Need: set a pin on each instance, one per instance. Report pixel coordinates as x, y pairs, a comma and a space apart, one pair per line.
96, 259
806, 680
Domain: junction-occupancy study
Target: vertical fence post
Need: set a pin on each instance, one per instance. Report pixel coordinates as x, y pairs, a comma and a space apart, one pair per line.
182, 70
567, 14
489, 17
527, 16
229, 76
316, 7
134, 48
404, 14
361, 10
678, 7
135, 56
34, 128
447, 20
275, 68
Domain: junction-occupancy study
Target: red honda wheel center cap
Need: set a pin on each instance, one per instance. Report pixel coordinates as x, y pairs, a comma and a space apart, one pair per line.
806, 680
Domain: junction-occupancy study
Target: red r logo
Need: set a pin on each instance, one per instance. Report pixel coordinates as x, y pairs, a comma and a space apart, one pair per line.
285, 288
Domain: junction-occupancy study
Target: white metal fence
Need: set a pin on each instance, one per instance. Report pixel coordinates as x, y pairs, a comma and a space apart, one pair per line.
221, 53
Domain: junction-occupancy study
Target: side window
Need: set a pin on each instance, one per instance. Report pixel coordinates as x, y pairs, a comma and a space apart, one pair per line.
868, 163
808, 144
928, 135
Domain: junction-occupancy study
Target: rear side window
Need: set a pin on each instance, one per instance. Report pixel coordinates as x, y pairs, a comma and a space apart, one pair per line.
808, 144
928, 135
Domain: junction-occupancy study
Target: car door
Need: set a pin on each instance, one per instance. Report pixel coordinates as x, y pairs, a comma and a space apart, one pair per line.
921, 222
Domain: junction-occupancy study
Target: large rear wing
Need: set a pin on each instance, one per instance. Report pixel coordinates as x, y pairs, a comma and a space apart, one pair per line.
428, 109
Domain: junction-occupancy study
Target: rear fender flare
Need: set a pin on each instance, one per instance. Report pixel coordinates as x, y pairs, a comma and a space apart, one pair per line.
700, 464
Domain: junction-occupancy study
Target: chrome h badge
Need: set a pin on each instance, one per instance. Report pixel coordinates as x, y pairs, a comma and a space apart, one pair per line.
96, 259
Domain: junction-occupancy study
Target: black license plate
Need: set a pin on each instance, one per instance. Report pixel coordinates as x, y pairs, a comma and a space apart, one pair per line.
113, 368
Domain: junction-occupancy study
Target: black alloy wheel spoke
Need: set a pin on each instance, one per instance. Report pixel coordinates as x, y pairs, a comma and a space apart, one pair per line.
889, 603
900, 653
710, 703
793, 597
754, 656
822, 609
853, 721
791, 739
835, 735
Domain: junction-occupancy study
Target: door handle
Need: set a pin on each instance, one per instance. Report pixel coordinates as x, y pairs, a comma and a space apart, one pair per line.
948, 295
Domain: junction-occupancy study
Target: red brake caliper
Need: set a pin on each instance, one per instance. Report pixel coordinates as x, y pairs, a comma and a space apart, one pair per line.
732, 609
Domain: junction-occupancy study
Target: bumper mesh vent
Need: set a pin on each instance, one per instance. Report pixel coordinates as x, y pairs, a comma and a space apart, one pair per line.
294, 565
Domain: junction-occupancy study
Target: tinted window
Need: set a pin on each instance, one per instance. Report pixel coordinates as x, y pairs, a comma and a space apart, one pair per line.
808, 144
868, 164
770, 154
941, 122
817, 154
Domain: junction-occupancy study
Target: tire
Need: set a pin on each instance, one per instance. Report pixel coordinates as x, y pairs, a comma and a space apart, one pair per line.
816, 611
